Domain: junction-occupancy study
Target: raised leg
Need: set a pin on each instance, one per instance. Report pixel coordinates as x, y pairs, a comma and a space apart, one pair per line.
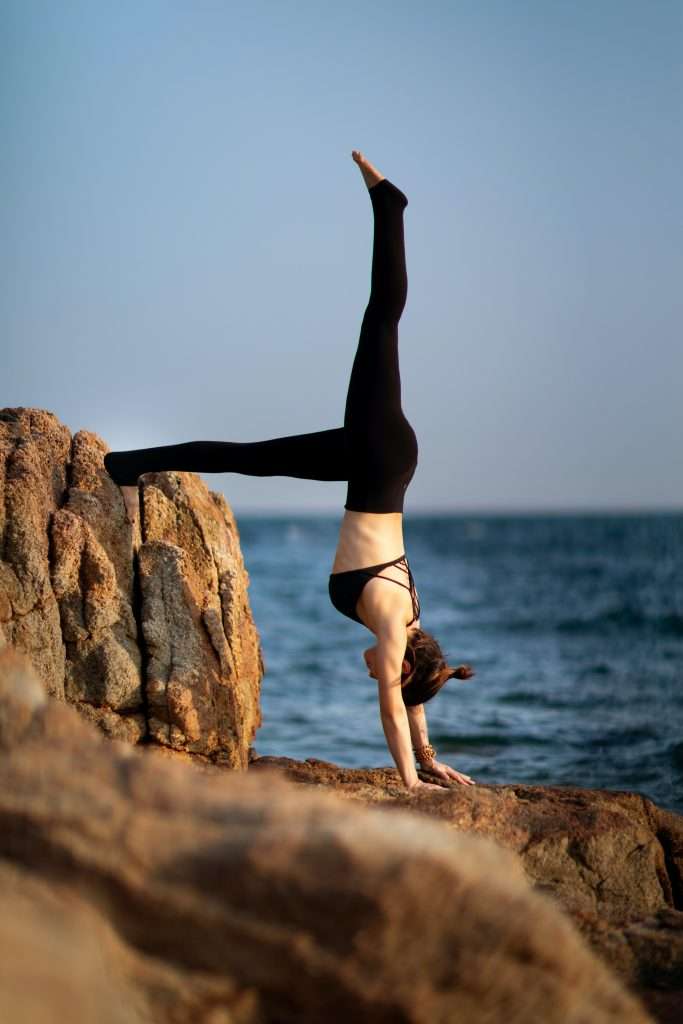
317, 456
381, 443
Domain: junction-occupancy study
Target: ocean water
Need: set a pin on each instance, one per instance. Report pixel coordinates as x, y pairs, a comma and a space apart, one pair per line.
574, 625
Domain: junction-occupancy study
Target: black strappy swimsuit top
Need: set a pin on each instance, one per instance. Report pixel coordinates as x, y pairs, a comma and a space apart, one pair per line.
345, 588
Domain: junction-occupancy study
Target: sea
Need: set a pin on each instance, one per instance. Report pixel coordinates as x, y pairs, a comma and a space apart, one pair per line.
573, 624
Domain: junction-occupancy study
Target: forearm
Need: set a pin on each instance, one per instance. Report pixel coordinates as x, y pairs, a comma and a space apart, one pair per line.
417, 721
397, 733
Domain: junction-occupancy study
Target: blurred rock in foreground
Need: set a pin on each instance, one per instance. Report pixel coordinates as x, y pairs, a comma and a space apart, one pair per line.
140, 888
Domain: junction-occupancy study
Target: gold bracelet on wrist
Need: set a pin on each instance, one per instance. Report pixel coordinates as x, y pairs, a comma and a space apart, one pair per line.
425, 753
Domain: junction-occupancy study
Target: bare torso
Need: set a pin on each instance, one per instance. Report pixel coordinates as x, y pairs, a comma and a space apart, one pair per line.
370, 538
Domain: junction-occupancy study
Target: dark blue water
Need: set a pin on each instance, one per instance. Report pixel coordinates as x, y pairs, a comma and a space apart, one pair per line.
574, 625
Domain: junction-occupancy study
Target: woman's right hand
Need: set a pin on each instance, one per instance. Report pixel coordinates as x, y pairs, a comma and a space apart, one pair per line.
420, 785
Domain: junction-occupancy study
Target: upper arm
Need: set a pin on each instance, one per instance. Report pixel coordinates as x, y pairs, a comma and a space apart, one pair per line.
391, 646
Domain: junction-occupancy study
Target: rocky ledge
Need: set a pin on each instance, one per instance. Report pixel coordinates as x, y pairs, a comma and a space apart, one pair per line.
612, 860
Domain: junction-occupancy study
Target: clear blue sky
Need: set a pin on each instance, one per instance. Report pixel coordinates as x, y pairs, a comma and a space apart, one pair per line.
186, 242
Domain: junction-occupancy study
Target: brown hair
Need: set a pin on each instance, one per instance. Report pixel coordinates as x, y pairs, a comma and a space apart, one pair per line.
429, 670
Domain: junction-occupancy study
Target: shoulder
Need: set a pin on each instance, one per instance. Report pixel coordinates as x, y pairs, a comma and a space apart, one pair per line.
392, 637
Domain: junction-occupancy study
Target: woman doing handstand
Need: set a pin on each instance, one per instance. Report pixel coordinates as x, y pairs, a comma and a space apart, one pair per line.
376, 452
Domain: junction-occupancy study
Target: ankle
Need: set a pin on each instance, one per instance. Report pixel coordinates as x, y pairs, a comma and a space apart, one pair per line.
386, 191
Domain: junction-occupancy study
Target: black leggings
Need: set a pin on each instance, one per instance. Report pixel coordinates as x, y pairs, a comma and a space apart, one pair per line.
376, 449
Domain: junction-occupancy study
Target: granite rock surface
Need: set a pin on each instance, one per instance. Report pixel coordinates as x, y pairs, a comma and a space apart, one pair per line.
143, 625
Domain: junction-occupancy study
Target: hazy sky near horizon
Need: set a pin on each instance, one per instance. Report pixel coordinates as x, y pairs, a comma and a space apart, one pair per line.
187, 242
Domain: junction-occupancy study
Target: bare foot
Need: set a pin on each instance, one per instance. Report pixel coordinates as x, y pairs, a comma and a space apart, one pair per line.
371, 175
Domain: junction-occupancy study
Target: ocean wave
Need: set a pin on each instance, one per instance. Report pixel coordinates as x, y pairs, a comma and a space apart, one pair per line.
625, 617
675, 753
617, 618
535, 700
474, 741
627, 737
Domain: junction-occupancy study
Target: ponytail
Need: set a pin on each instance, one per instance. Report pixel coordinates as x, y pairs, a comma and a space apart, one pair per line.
461, 672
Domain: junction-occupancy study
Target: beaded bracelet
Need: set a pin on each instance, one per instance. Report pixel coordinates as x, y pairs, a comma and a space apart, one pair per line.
426, 753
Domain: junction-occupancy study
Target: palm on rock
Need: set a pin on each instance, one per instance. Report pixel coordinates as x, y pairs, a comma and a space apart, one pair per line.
448, 774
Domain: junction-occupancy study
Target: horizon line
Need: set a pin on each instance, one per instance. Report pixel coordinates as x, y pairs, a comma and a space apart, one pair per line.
481, 511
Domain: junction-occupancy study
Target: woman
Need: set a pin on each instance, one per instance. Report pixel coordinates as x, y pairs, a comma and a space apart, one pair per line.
376, 452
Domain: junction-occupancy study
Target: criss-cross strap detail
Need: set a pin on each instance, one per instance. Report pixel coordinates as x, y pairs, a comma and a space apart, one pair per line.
346, 587
402, 563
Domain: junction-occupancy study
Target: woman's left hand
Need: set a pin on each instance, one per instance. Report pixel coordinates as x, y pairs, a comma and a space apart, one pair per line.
445, 772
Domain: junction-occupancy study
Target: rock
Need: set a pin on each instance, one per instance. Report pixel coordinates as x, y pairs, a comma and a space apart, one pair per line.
64, 959
613, 861
251, 898
204, 661
50, 968
150, 641
34, 453
93, 580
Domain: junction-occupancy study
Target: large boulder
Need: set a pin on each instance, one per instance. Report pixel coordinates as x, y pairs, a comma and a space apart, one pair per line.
144, 624
219, 897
